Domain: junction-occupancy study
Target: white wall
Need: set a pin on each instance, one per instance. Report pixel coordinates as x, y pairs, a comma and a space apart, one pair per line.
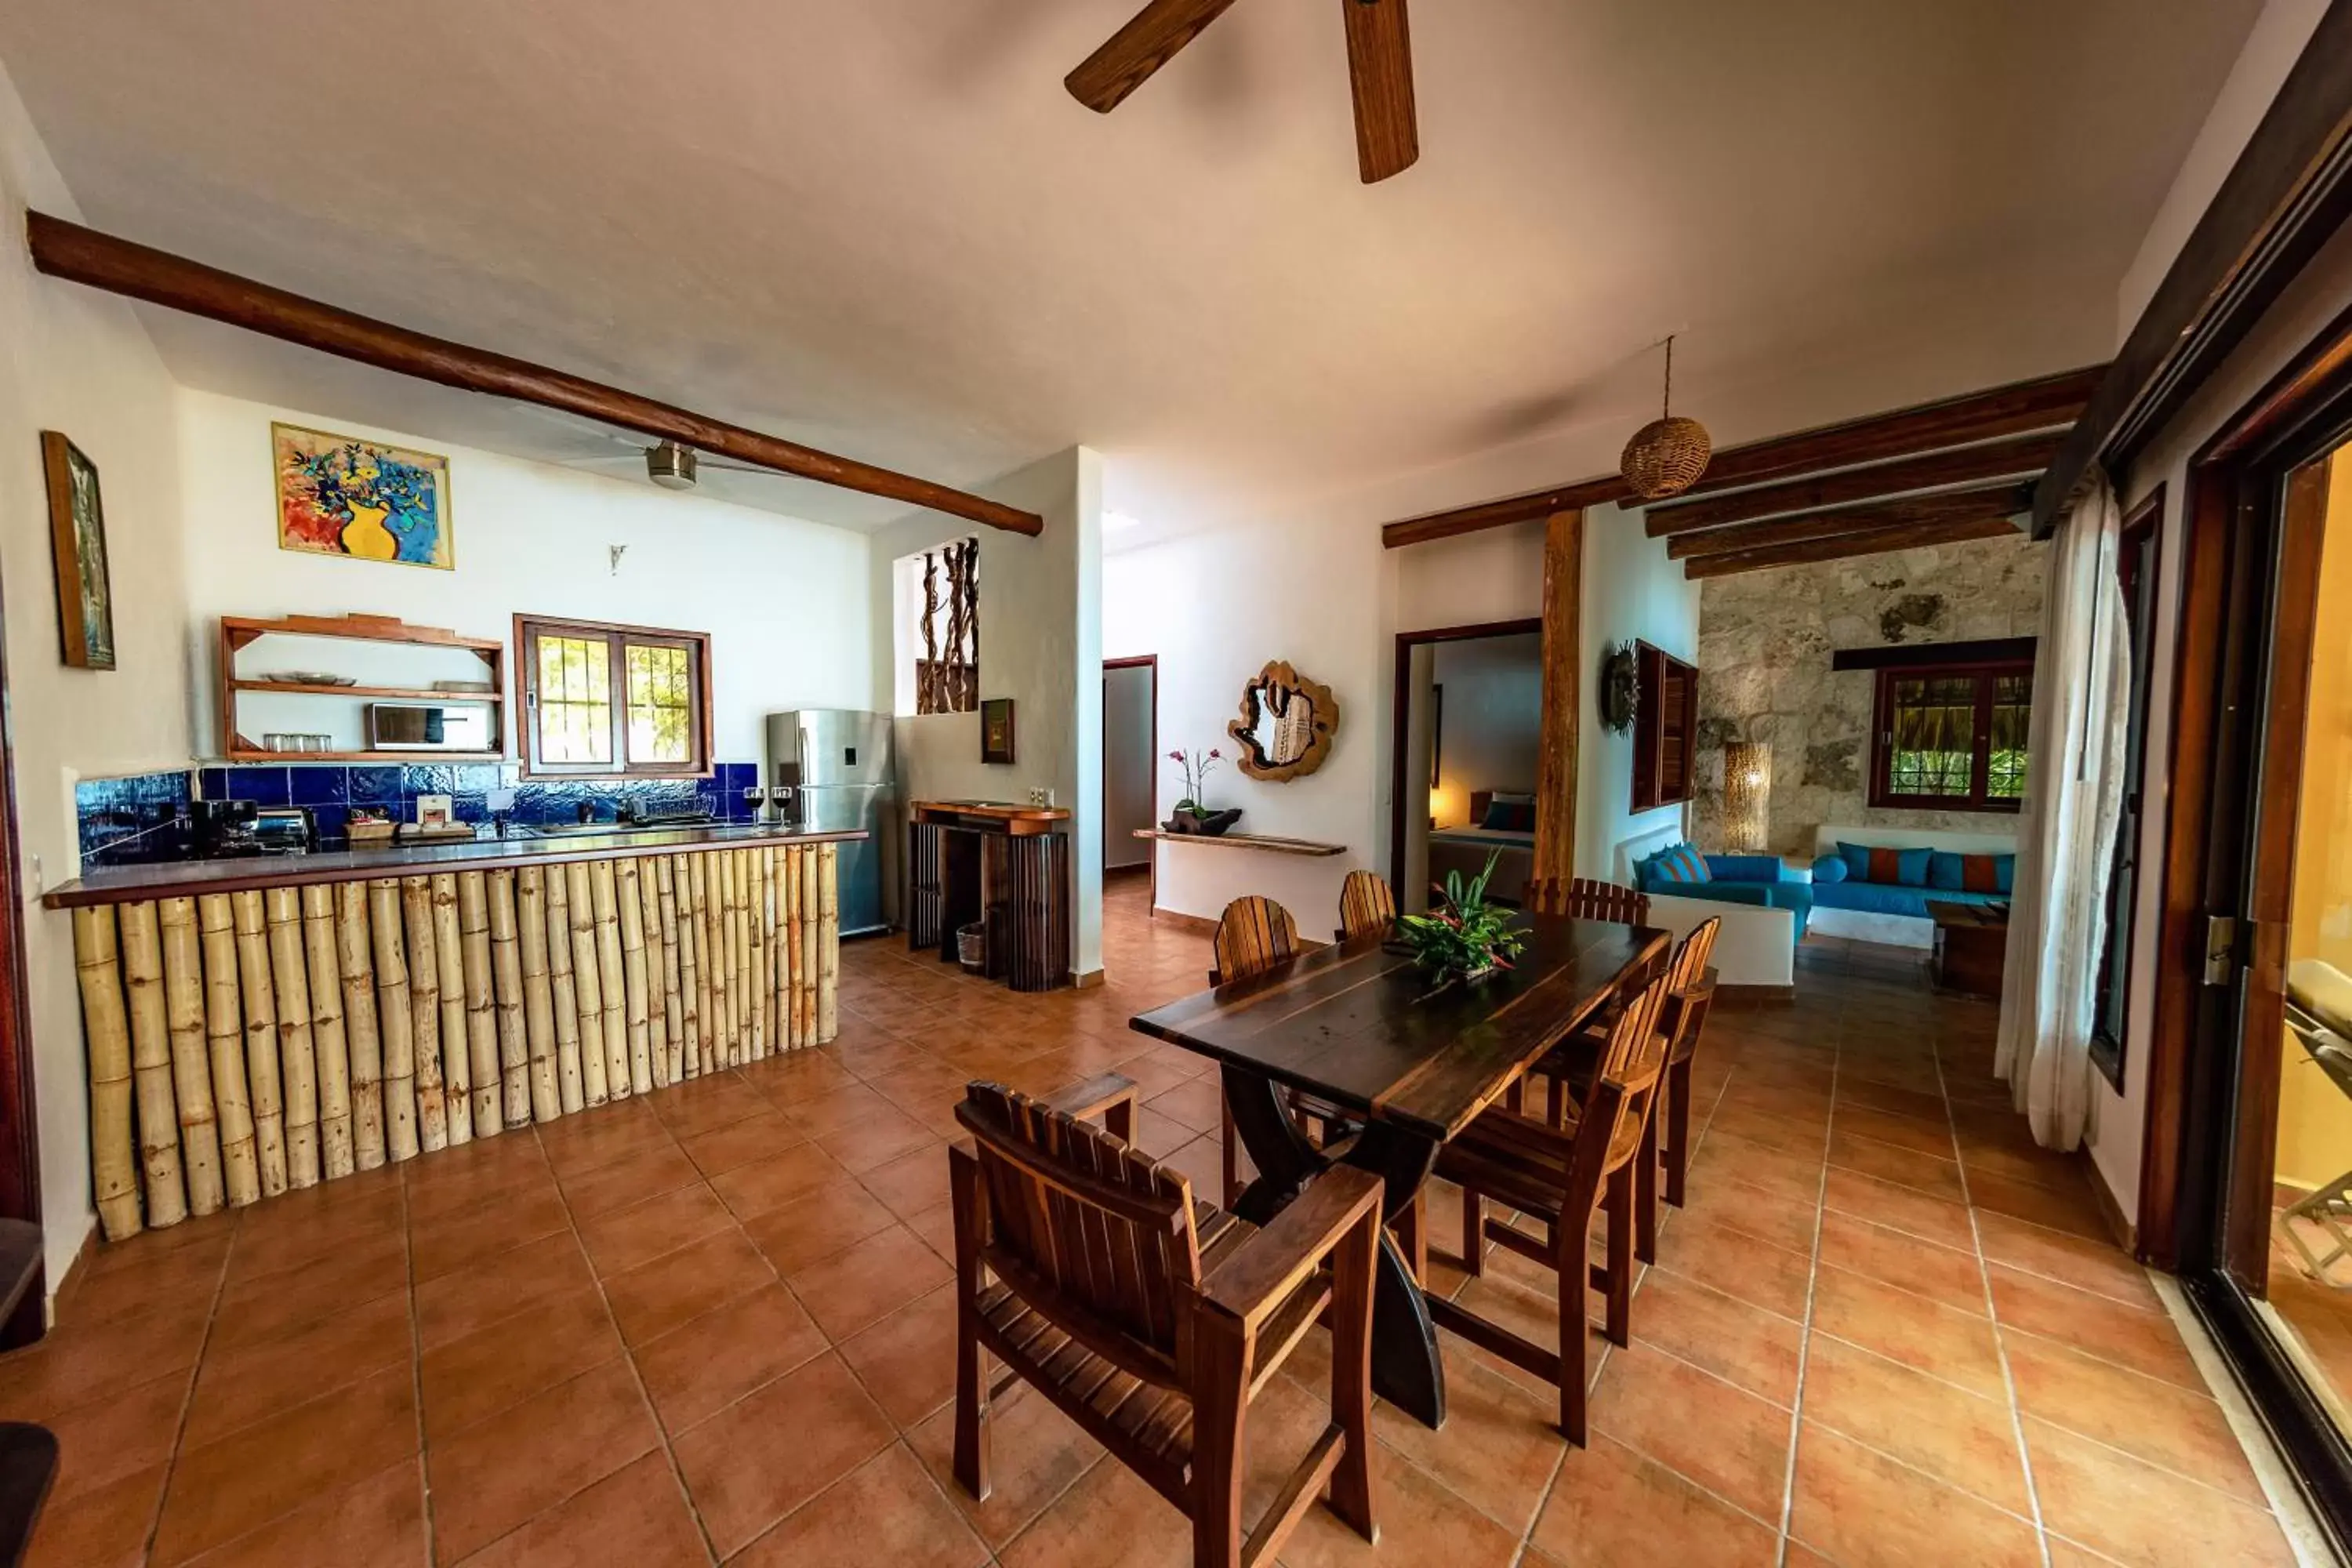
785, 601
1131, 763
1631, 591
1492, 724
1040, 644
2119, 1120
78, 362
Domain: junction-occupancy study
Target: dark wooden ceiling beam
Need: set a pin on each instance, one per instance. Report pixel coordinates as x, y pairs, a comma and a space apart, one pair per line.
85, 256
2006, 500
2288, 193
2020, 459
2044, 402
1875, 541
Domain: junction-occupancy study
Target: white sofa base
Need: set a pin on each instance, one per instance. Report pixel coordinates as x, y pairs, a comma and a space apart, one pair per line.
1755, 948
1863, 925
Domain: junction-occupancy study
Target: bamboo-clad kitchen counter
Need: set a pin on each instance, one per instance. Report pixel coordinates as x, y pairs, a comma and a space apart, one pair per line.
266, 1023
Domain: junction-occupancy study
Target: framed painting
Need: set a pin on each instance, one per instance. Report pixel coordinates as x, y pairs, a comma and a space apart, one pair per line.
996, 730
77, 538
344, 495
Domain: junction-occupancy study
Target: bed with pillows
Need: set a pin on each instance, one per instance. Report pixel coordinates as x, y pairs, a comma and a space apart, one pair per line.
1875, 884
1501, 821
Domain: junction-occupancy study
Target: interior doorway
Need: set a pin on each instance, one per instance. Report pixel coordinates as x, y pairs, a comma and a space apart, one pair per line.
1130, 765
1469, 719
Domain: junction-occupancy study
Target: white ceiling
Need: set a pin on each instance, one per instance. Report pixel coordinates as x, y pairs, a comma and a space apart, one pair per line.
882, 228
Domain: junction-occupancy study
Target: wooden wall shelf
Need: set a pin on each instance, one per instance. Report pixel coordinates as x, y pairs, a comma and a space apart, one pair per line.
1246, 841
239, 632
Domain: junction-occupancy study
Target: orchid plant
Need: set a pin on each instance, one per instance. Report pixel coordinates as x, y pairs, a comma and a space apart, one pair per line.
1196, 768
1465, 936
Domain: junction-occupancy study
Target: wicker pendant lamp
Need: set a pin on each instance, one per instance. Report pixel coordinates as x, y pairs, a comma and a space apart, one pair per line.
1666, 456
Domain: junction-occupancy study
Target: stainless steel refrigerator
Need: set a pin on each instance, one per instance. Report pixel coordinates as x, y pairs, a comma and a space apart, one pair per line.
830, 768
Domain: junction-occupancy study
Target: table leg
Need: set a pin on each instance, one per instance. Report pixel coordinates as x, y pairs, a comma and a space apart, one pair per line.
1407, 1370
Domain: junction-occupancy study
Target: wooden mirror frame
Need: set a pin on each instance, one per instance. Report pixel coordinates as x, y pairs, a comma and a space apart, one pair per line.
1243, 730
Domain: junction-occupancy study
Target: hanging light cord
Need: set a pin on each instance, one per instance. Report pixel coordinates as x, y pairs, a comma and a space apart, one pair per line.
1666, 405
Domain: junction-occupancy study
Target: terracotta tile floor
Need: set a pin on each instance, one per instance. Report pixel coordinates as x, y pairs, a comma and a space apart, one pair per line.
714, 1325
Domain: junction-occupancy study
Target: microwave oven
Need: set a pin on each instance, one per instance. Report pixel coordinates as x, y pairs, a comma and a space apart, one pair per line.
427, 727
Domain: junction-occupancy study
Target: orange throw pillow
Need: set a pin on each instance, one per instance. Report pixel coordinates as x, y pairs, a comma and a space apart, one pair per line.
1886, 866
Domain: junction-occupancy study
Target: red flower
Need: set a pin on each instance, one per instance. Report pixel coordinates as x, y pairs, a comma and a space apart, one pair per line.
1215, 754
1175, 756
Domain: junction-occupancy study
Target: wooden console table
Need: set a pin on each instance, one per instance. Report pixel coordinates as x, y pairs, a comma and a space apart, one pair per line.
1005, 867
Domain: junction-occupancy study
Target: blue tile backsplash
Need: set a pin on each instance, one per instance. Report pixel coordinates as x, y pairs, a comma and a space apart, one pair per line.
144, 817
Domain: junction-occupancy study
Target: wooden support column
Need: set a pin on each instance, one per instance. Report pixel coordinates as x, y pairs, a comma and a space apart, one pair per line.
1563, 695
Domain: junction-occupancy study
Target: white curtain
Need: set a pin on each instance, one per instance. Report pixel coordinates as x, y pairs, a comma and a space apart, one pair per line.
2066, 833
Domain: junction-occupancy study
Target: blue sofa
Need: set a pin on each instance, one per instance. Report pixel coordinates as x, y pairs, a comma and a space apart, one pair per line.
1764, 880
1841, 881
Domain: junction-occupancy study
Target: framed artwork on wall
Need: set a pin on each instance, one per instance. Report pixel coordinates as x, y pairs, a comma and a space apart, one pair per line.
77, 538
344, 495
996, 730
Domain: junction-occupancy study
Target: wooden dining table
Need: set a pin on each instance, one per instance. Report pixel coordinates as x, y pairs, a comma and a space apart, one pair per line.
1361, 1029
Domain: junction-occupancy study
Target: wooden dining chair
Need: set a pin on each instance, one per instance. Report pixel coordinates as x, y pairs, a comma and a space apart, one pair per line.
1690, 993
1367, 904
1559, 1176
1253, 935
1153, 1321
1584, 899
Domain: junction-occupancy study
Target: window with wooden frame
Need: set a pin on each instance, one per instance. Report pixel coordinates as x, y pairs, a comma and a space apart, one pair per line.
947, 628
601, 700
1665, 728
1952, 737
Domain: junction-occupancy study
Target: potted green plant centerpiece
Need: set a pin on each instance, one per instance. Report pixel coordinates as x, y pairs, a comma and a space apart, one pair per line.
1465, 938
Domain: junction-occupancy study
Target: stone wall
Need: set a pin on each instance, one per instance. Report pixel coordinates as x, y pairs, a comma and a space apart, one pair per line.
1764, 645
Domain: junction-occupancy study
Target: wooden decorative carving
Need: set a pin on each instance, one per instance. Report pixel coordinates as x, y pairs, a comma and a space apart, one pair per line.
1286, 724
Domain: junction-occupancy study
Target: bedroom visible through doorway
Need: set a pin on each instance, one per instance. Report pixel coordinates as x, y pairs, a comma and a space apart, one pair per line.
1469, 727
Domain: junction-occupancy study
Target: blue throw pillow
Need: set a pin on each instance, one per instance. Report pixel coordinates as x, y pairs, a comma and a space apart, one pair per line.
1510, 815
2004, 871
1694, 863
1857, 860
1832, 868
1943, 872
1912, 866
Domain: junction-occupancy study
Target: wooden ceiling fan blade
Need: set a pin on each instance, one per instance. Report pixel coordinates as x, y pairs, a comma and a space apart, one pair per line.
1380, 69
1147, 42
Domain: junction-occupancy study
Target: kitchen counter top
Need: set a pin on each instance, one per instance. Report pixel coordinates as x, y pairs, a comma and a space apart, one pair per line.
185, 878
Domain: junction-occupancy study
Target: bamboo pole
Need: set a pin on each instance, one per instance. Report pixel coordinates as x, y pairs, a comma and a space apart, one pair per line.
298, 1058
636, 997
587, 986
762, 863
708, 887
151, 1065
747, 1016
113, 1169
356, 960
570, 1075
423, 1014
812, 930
506, 975
788, 970
610, 986
261, 1076
328, 1037
192, 1080
641, 872
487, 1074
457, 1060
730, 942
538, 999
674, 998
828, 943
694, 986
225, 1043
396, 1020
779, 1021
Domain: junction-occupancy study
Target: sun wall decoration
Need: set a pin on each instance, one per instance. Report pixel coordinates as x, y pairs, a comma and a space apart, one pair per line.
341, 495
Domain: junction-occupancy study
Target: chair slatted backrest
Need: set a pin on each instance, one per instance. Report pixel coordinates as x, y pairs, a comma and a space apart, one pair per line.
1581, 898
1635, 1061
1096, 1236
1253, 935
1691, 957
1366, 905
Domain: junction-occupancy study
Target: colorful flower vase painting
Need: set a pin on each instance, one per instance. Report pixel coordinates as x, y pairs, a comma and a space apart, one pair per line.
341, 495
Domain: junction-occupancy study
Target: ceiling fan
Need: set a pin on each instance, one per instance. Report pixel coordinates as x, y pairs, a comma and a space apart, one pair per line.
1380, 68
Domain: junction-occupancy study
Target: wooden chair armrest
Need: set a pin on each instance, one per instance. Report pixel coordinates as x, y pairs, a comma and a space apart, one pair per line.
1112, 1096
1263, 1271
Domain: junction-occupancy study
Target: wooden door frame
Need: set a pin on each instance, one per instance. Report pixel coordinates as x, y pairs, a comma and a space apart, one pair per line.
1401, 710
1142, 661
20, 1142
